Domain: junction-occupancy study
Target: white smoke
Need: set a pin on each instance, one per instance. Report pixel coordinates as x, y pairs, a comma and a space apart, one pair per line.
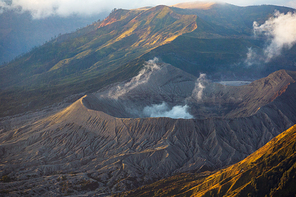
163, 110
280, 31
45, 8
197, 92
155, 110
142, 78
252, 57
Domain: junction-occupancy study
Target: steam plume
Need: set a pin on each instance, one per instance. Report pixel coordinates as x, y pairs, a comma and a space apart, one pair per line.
252, 57
280, 31
142, 78
162, 110
147, 75
197, 92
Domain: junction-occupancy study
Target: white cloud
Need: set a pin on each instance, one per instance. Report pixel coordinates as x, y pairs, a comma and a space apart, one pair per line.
44, 8
162, 110
251, 57
280, 31
292, 4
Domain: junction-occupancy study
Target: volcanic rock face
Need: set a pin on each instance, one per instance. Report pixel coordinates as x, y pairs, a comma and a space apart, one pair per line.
103, 142
163, 83
155, 84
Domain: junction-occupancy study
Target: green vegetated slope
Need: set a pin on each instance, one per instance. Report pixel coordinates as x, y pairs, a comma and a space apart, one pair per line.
19, 32
270, 171
91, 57
219, 44
211, 41
122, 37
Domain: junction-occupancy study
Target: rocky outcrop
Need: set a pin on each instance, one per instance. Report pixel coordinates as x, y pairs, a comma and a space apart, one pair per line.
164, 83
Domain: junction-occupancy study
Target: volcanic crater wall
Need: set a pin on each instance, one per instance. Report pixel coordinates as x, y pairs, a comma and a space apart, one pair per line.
91, 141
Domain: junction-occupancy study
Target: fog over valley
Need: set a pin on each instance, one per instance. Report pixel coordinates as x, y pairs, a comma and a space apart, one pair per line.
64, 8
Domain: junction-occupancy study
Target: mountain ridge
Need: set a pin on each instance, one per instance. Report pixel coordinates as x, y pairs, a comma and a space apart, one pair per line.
192, 40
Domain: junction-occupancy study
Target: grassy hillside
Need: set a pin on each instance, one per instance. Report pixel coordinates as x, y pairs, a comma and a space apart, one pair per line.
89, 58
219, 44
19, 32
215, 57
234, 19
270, 171
122, 37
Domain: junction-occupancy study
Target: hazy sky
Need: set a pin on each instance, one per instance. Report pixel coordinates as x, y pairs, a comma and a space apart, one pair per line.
43, 8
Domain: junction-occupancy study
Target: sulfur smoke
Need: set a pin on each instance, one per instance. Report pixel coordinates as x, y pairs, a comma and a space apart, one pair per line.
162, 110
197, 92
151, 69
142, 78
280, 31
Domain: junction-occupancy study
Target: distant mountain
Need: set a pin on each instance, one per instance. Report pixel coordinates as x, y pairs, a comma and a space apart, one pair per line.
20, 33
270, 171
219, 44
214, 41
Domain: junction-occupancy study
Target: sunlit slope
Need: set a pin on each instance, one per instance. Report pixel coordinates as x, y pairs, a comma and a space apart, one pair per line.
123, 36
100, 54
90, 58
270, 171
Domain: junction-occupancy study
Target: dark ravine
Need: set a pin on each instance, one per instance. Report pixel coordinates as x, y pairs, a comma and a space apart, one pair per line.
79, 150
